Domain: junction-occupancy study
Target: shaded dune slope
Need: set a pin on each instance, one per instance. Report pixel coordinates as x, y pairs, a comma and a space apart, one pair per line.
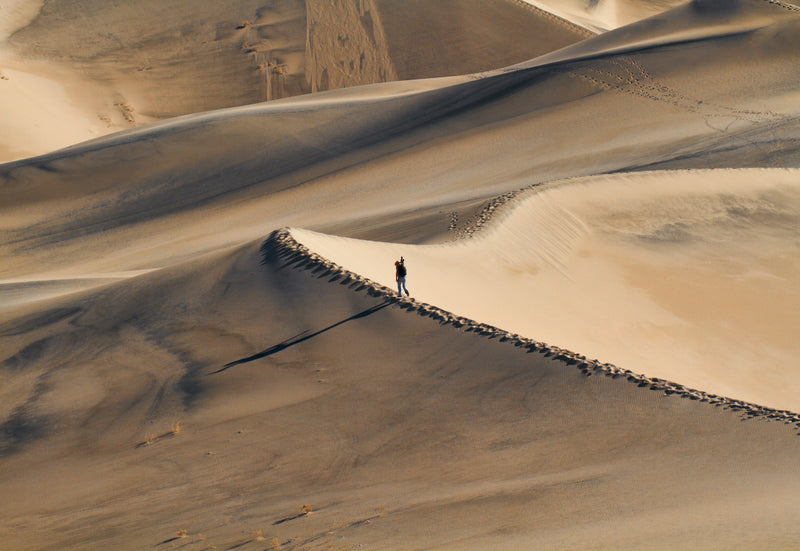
278, 409
690, 276
471, 30
147, 60
412, 146
254, 51
170, 380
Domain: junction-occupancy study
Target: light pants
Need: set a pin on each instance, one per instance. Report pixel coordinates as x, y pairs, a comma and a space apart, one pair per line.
401, 286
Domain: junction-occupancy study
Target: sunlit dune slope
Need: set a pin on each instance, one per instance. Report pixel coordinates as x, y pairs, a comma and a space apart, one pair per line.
397, 432
689, 276
176, 374
78, 69
604, 15
407, 149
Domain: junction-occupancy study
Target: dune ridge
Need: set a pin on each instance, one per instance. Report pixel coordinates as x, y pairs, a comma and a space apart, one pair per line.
311, 411
283, 245
200, 345
185, 170
155, 61
709, 255
786, 5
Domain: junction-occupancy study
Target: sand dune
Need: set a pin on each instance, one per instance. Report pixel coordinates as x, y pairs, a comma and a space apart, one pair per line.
603, 15
154, 60
388, 453
463, 140
686, 276
175, 374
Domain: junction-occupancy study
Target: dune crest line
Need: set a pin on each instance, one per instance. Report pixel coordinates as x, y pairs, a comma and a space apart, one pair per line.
282, 245
790, 7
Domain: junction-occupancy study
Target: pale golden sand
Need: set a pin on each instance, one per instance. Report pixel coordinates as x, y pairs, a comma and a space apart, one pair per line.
601, 353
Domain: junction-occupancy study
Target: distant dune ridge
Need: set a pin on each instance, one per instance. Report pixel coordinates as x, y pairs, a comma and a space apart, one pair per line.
98, 67
200, 342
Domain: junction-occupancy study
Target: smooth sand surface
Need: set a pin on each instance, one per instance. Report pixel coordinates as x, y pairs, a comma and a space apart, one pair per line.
688, 276
603, 15
397, 432
76, 70
169, 379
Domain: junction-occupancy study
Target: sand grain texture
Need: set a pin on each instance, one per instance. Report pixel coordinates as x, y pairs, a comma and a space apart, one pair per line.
200, 344
82, 69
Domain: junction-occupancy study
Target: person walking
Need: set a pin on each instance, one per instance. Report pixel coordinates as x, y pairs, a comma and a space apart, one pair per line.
400, 276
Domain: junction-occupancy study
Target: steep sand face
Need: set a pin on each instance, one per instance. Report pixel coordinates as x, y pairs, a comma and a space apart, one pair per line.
146, 60
472, 28
686, 276
206, 404
346, 46
165, 382
142, 61
405, 148
170, 59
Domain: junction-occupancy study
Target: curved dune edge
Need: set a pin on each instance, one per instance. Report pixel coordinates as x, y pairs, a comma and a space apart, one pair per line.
281, 244
137, 72
688, 276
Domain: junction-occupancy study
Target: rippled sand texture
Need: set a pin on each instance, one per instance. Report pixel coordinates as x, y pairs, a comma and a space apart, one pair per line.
201, 346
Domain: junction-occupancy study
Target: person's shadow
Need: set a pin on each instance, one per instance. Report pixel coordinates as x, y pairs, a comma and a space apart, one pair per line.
300, 337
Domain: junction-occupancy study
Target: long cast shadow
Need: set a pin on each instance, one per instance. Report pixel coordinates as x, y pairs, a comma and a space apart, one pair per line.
297, 339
